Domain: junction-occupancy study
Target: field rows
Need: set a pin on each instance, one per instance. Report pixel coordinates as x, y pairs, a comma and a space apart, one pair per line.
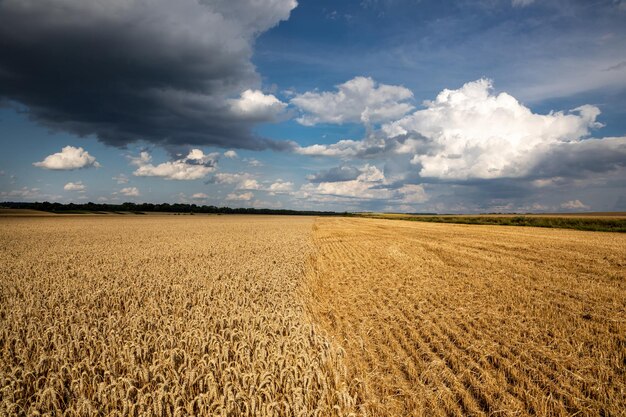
457, 320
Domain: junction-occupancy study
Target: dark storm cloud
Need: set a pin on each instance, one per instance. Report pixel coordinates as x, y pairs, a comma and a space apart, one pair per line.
579, 159
155, 70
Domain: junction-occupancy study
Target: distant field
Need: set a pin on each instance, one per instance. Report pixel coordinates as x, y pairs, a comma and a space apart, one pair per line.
303, 316
607, 214
22, 212
600, 222
7, 212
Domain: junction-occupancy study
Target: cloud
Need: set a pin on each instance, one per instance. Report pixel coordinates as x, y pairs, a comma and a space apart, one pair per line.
23, 192
358, 100
372, 146
229, 178
68, 159
121, 179
130, 191
367, 185
280, 187
231, 154
580, 158
343, 148
144, 158
249, 184
240, 197
341, 173
199, 196
522, 3
243, 180
194, 166
370, 185
253, 162
473, 133
74, 186
84, 67
254, 105
345, 189
412, 193
574, 205
26, 193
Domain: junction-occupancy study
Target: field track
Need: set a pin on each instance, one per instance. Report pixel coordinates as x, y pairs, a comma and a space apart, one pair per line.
441, 319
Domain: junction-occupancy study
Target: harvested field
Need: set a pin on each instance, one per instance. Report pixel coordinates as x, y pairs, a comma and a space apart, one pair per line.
442, 319
161, 315
301, 316
594, 222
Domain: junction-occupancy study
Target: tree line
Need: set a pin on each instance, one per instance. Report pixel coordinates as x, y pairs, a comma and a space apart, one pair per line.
151, 208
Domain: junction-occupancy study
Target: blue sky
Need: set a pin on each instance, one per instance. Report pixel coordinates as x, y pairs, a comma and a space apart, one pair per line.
405, 106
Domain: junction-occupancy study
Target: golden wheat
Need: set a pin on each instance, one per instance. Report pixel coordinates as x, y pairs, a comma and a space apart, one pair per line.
161, 315
257, 316
440, 319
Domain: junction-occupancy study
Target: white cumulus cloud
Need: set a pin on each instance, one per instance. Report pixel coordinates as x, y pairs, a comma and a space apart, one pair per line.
130, 191
68, 159
280, 187
358, 100
472, 133
194, 166
243, 180
74, 186
229, 178
362, 184
231, 154
255, 105
249, 184
368, 185
345, 148
240, 197
199, 196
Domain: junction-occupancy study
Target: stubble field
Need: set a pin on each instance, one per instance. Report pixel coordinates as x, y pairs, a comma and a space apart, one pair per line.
282, 316
441, 319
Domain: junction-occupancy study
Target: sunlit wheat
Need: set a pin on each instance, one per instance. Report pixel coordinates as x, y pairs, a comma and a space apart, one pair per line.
162, 315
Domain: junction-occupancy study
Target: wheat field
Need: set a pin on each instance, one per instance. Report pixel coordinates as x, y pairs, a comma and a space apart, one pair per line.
163, 316
301, 316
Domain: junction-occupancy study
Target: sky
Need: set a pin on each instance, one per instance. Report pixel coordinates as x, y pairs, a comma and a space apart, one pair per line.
415, 106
